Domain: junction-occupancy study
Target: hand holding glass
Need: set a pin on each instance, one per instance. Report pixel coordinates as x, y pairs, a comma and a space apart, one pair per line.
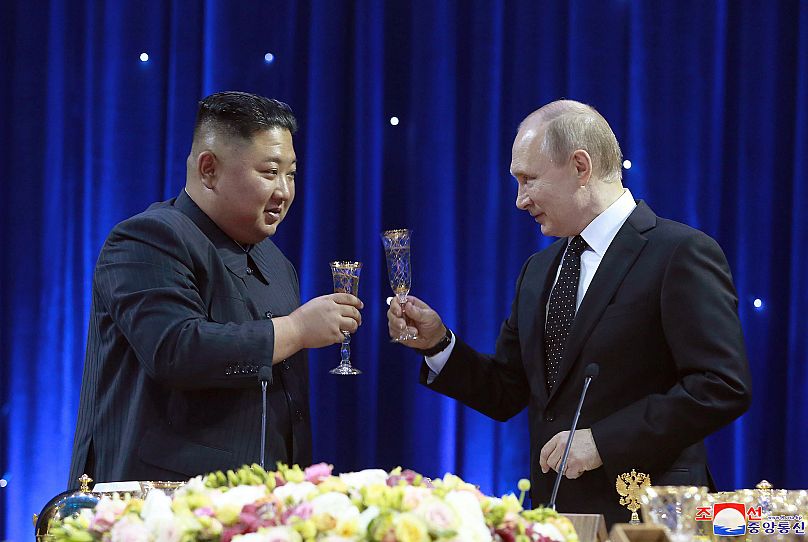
397, 252
346, 280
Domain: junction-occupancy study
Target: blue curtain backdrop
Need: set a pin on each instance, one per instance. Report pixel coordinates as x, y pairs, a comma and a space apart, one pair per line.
708, 98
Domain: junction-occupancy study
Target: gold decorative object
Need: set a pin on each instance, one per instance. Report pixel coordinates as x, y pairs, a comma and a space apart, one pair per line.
85, 482
630, 486
764, 485
64, 504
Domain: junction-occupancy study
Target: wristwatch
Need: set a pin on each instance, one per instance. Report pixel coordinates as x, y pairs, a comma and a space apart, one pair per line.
442, 345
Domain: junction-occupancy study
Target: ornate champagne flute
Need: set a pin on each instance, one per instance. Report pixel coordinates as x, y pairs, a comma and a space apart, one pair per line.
346, 280
397, 252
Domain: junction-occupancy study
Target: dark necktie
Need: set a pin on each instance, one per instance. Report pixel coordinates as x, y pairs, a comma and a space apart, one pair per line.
561, 311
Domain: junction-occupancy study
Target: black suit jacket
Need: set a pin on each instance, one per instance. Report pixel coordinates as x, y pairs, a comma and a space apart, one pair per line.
170, 386
660, 318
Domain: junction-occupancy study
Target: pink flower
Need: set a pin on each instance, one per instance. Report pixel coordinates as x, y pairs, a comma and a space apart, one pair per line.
413, 496
204, 511
302, 511
229, 532
438, 516
107, 513
407, 476
317, 473
129, 529
506, 534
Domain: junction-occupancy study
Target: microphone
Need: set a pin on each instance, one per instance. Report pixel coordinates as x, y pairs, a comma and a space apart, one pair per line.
590, 374
265, 375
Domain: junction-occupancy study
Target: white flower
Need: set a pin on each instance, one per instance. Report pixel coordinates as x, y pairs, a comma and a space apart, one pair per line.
414, 495
472, 524
159, 518
237, 497
438, 515
129, 529
550, 531
336, 504
272, 534
156, 506
364, 478
369, 514
194, 485
296, 491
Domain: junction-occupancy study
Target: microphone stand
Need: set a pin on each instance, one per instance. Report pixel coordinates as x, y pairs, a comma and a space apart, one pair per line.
591, 372
265, 375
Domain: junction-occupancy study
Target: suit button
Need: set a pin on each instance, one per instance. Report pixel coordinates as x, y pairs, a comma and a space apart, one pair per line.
249, 271
299, 414
228, 370
548, 416
285, 365
268, 314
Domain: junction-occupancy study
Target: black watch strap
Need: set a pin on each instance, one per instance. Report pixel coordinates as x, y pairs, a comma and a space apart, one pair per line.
442, 345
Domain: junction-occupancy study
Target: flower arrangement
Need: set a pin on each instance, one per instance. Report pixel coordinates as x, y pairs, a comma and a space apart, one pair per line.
295, 505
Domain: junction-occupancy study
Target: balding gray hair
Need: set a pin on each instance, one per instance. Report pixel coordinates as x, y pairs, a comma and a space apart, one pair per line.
570, 126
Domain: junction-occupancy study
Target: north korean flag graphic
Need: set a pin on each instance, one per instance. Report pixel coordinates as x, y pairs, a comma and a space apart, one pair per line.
729, 519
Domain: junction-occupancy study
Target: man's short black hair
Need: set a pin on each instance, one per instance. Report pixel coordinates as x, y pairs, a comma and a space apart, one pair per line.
243, 114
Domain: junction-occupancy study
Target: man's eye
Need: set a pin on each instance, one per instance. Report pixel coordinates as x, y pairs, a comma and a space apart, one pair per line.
270, 172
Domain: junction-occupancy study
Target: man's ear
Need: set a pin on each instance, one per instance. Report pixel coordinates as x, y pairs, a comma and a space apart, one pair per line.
206, 167
583, 165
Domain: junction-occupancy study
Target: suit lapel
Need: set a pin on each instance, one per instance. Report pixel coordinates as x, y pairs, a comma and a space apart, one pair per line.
539, 289
619, 258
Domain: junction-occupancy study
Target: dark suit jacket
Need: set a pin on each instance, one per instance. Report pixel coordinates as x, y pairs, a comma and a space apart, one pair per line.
170, 386
660, 318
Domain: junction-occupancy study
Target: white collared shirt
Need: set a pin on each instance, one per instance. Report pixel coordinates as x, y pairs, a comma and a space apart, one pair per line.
599, 235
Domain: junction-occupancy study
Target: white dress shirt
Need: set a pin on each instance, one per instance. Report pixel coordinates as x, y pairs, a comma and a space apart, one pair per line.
599, 234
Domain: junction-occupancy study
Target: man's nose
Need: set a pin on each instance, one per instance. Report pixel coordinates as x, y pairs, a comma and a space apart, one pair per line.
283, 187
521, 199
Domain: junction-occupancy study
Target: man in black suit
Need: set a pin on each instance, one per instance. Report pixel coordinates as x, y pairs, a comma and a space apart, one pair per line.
193, 306
650, 300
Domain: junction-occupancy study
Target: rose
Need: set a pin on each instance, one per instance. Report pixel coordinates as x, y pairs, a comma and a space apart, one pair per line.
129, 529
107, 512
413, 496
317, 473
439, 517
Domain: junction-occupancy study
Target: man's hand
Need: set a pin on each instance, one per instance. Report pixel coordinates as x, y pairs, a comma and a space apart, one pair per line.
321, 321
584, 454
418, 318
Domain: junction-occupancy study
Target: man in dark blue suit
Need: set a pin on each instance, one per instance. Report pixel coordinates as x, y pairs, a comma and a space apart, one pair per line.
650, 300
192, 303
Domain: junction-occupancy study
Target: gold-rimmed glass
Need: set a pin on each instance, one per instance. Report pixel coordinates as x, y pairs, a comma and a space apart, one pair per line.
346, 280
399, 270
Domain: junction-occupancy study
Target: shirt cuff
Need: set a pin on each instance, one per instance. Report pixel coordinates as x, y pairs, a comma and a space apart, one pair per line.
436, 362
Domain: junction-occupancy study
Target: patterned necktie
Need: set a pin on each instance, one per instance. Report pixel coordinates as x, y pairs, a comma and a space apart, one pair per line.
561, 312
